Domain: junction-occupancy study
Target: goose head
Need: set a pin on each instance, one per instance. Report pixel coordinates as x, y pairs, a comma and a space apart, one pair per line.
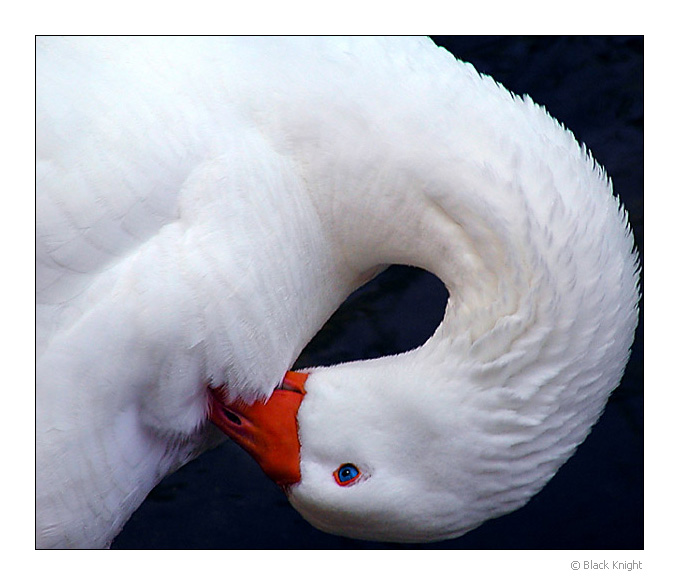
358, 463
377, 467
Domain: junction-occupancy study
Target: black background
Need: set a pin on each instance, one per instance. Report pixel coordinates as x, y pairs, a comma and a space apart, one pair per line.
594, 85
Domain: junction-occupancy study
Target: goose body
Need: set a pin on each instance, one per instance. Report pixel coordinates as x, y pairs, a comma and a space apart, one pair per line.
205, 204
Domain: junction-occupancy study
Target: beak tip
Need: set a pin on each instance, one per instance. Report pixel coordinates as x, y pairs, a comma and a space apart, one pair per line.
268, 430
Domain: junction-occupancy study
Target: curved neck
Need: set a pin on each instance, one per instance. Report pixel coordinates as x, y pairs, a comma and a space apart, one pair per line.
507, 209
514, 217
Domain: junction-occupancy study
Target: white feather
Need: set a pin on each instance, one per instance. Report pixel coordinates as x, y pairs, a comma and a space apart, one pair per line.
204, 204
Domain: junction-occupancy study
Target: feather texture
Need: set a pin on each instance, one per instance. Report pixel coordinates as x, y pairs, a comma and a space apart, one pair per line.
204, 204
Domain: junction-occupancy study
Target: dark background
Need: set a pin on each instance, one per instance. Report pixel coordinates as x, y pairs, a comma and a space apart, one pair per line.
594, 85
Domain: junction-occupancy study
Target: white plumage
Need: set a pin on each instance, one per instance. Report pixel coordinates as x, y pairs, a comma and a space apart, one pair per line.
205, 204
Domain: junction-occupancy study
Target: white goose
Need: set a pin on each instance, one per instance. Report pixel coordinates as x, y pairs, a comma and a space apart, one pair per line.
204, 204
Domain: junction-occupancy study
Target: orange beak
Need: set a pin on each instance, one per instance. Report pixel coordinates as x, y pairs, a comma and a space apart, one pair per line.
266, 430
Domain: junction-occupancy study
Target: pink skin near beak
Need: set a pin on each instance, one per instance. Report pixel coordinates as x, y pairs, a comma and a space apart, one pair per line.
266, 430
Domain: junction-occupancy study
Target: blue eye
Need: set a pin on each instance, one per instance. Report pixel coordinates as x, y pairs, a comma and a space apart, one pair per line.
346, 474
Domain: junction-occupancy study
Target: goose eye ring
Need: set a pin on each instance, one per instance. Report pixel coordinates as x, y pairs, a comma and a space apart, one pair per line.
346, 474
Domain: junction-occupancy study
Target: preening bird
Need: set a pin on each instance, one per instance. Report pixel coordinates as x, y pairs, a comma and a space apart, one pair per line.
205, 204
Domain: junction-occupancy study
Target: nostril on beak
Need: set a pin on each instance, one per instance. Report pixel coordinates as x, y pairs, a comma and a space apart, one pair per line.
231, 416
